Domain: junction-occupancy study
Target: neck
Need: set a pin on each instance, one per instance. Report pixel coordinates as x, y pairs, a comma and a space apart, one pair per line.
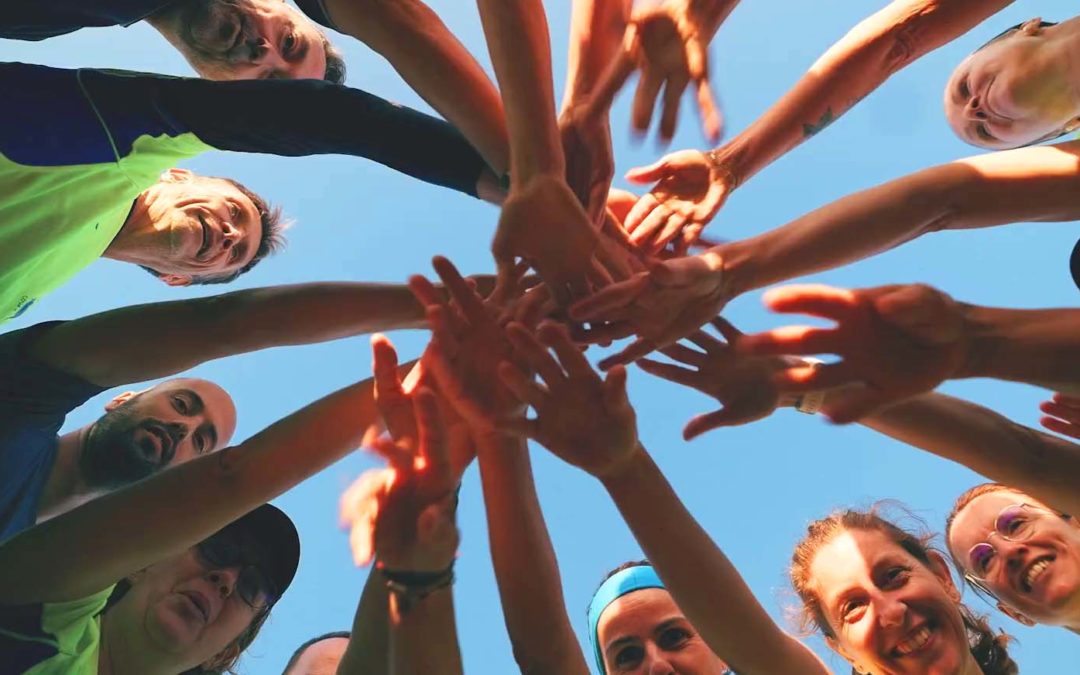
122, 652
65, 488
1066, 36
128, 242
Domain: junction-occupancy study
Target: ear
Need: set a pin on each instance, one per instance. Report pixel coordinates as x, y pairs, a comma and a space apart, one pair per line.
175, 175
1031, 26
119, 400
176, 279
1015, 615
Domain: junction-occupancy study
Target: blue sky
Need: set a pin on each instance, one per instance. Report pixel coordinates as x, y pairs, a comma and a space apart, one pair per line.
753, 488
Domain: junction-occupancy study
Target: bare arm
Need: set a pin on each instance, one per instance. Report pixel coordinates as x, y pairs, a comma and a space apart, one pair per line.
143, 342
1028, 184
423, 640
525, 564
368, 651
851, 69
433, 62
177, 508
1044, 466
596, 31
1037, 346
741, 633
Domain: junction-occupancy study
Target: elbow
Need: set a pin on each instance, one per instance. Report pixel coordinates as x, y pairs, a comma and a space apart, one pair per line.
895, 41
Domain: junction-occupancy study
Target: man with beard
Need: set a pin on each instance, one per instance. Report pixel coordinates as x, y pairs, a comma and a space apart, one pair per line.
49, 369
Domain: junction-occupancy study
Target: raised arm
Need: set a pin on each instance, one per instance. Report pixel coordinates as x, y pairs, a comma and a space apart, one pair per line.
850, 70
1028, 184
542, 221
175, 509
463, 360
433, 61
589, 423
900, 341
1044, 466
143, 342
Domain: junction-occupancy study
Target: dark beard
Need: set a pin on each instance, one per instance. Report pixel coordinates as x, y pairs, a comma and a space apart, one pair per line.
111, 457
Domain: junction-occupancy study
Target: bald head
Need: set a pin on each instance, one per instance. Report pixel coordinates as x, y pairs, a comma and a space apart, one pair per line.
319, 656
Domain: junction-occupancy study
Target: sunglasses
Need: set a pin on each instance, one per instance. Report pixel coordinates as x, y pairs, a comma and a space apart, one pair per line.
1013, 523
253, 585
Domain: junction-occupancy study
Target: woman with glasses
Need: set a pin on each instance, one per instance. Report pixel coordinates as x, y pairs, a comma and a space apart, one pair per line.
194, 612
1020, 552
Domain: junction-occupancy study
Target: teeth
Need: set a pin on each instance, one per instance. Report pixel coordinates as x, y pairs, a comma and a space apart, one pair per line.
915, 641
1035, 571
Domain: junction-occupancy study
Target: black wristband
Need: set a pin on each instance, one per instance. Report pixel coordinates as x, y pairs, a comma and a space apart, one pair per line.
419, 580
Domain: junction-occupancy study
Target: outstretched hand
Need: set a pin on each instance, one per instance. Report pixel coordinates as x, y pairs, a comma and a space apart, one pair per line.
670, 300
582, 418
743, 385
895, 341
690, 188
1062, 415
404, 513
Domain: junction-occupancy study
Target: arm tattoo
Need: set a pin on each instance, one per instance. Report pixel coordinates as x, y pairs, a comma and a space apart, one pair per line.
826, 119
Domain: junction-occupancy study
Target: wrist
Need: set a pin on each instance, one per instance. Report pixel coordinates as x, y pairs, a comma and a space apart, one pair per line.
727, 165
982, 336
626, 469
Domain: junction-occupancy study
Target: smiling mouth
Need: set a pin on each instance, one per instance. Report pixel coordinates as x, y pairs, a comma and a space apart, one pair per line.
1034, 572
205, 238
988, 106
914, 642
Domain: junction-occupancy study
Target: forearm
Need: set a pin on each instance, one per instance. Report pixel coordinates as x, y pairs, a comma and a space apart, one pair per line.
1037, 346
710, 14
368, 652
986, 442
596, 32
143, 342
180, 506
436, 65
525, 564
517, 38
701, 579
423, 638
851, 69
1029, 184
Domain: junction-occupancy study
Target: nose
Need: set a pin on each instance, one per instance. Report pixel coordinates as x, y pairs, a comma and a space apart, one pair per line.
890, 612
656, 663
223, 580
1014, 554
973, 111
265, 53
230, 235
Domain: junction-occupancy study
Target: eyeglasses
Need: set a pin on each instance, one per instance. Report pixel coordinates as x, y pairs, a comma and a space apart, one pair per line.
1013, 523
253, 585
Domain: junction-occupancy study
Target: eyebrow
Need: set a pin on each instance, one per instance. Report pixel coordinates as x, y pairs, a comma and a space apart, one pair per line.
614, 646
198, 406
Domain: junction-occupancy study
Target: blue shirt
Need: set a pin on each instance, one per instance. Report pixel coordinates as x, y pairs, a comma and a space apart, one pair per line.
34, 400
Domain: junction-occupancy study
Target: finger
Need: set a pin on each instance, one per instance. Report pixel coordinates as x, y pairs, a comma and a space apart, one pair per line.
384, 365
438, 319
813, 299
523, 387
572, 359
644, 101
559, 291
802, 379
669, 118
711, 119
1060, 411
424, 291
651, 173
634, 351
397, 456
604, 332
671, 373
699, 424
1066, 400
1060, 427
613, 79
434, 448
519, 427
614, 389
615, 296
638, 213
707, 342
463, 296
648, 228
599, 277
684, 354
727, 329
671, 229
791, 340
534, 353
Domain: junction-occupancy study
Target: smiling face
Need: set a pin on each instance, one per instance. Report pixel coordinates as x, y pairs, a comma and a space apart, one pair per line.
645, 633
1038, 577
889, 613
141, 434
245, 39
191, 227
1014, 91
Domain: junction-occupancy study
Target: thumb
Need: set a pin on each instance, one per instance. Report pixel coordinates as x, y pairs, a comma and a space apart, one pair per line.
707, 422
848, 409
651, 173
614, 389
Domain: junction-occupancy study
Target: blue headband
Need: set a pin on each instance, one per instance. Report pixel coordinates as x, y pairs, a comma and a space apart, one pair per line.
617, 585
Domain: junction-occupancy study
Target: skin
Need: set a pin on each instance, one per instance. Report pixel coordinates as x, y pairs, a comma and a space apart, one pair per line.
875, 595
1054, 598
178, 614
187, 226
244, 39
321, 658
1017, 90
645, 633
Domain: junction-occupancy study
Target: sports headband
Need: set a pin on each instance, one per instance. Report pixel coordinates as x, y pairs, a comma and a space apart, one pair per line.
614, 587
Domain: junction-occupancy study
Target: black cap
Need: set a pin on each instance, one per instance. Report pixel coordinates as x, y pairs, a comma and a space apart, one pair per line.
1074, 264
273, 531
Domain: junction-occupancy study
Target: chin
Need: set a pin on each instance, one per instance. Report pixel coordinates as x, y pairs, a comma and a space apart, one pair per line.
169, 626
